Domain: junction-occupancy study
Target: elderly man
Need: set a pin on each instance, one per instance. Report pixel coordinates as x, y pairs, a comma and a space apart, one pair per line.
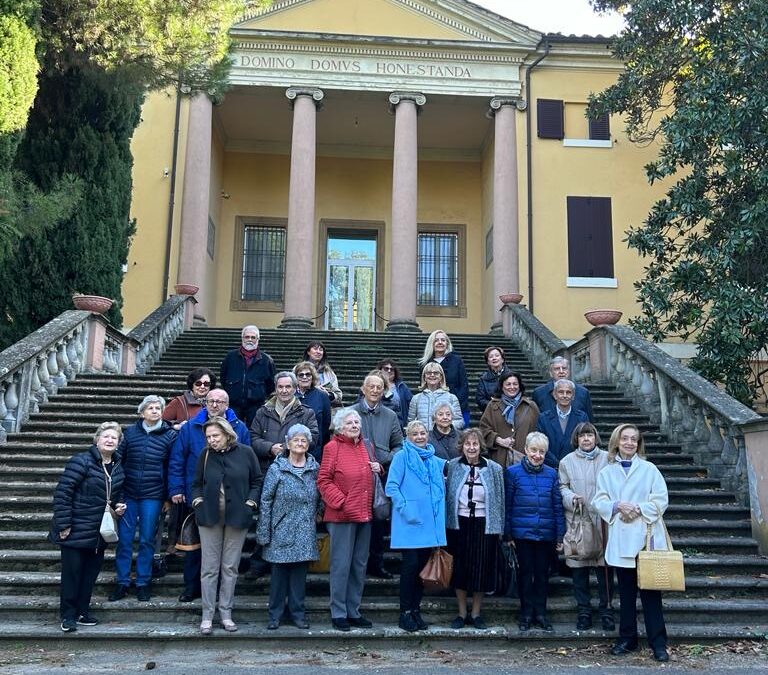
247, 373
559, 422
381, 428
186, 450
559, 369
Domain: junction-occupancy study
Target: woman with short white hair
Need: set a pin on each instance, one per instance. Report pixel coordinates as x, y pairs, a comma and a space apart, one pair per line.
144, 451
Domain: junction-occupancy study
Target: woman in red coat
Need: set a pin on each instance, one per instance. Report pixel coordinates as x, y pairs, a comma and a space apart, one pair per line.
345, 482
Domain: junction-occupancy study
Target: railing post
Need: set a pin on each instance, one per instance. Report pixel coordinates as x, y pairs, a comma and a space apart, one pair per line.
94, 355
756, 444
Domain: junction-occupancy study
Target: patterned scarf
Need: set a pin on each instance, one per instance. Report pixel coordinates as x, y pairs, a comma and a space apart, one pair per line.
530, 467
510, 407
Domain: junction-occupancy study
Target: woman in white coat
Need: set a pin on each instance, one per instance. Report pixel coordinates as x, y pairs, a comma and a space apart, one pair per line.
631, 496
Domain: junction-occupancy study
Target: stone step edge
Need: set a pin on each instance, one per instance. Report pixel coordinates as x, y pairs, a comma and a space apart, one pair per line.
322, 631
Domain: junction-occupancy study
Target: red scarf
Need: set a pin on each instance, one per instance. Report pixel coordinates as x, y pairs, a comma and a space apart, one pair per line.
249, 357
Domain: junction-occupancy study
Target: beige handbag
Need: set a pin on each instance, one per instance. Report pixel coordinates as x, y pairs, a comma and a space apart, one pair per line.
660, 570
580, 542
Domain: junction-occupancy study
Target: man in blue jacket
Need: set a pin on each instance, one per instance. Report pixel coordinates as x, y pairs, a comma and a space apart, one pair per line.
559, 422
186, 451
559, 369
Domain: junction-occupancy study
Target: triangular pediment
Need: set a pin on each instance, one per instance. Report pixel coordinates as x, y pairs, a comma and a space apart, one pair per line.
458, 20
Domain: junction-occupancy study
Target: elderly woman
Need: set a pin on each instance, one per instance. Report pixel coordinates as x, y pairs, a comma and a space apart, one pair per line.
183, 408
91, 481
488, 382
434, 392
443, 435
310, 394
508, 417
144, 451
535, 524
632, 497
416, 485
225, 493
475, 521
578, 473
396, 388
345, 482
317, 355
439, 349
286, 529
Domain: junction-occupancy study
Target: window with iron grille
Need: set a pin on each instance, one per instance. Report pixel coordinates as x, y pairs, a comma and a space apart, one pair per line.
438, 269
263, 271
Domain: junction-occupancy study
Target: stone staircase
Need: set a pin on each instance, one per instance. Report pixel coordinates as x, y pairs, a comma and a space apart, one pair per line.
727, 581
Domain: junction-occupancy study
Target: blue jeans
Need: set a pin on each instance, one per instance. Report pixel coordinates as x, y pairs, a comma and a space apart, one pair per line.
147, 512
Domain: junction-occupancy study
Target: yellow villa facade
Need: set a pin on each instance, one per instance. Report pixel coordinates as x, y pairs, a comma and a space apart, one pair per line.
389, 164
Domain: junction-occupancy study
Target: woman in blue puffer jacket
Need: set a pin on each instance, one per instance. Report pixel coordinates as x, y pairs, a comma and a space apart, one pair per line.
535, 523
144, 450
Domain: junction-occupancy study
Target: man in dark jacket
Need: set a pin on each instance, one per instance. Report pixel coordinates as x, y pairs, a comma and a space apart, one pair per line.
559, 369
186, 451
558, 423
247, 374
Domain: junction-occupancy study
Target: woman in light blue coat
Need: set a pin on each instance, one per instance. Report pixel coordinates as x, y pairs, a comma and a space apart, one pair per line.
417, 488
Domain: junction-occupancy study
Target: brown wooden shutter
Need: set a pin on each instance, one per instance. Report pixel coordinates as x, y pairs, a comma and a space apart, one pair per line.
600, 128
549, 116
590, 237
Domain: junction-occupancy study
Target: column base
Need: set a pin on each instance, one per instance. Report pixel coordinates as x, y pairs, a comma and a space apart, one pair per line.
296, 323
402, 326
496, 329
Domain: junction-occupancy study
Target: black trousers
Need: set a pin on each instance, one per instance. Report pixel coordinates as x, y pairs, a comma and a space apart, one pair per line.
193, 561
411, 587
655, 630
79, 569
379, 528
288, 583
533, 558
581, 592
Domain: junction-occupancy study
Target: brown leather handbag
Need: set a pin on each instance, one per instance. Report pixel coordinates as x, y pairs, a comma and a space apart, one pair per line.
438, 571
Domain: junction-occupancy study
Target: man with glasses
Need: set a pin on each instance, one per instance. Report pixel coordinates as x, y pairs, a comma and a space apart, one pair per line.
247, 373
186, 451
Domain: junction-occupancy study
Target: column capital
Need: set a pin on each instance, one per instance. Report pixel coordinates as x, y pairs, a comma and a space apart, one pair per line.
397, 96
317, 95
497, 102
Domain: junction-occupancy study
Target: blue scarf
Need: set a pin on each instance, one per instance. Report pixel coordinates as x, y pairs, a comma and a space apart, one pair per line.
587, 455
511, 405
420, 462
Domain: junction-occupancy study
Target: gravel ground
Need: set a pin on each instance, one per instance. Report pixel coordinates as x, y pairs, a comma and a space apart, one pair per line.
748, 658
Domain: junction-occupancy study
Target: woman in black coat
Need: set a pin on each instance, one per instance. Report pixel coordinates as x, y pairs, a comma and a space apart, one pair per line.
440, 350
90, 480
225, 494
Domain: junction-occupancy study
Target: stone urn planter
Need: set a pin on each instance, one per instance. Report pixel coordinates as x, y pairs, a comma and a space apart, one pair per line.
602, 317
510, 298
92, 303
186, 289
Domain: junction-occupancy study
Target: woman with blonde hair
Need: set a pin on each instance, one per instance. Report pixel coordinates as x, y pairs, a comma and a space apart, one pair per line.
225, 495
439, 349
631, 498
433, 394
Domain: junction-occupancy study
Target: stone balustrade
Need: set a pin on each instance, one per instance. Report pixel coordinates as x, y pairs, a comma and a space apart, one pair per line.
158, 331
75, 342
538, 342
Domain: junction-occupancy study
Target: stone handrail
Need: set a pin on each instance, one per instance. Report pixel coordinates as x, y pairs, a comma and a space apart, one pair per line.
40, 364
538, 342
158, 331
707, 422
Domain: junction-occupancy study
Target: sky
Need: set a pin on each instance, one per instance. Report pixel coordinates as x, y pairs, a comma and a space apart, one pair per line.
556, 16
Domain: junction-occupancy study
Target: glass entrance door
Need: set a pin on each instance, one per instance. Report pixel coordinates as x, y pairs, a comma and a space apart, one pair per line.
350, 284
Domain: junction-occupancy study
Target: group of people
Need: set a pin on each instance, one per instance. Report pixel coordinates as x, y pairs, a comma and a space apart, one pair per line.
264, 451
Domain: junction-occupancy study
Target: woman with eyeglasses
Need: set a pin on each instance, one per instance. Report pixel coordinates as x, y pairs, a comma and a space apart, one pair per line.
439, 349
311, 395
183, 408
316, 354
396, 388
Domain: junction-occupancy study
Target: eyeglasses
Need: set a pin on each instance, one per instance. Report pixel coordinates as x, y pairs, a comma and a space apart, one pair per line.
206, 384
389, 369
216, 401
304, 376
